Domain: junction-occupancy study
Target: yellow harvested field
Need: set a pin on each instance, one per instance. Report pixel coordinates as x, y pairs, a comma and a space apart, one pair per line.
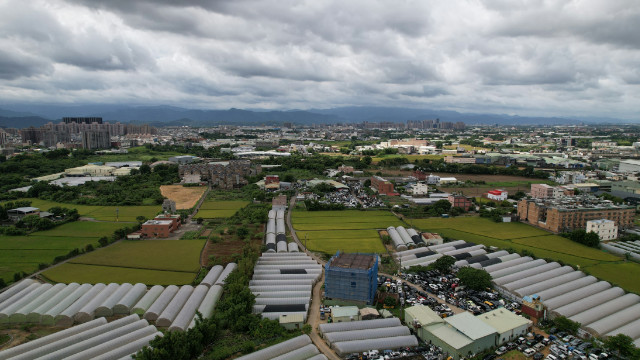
185, 197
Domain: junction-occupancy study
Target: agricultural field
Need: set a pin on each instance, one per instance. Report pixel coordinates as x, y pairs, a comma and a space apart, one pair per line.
92, 274
357, 230
519, 237
212, 209
142, 259
185, 197
25, 253
102, 213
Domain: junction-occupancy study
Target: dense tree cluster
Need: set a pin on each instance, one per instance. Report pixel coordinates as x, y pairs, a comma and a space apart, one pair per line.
472, 278
564, 324
439, 165
583, 237
139, 188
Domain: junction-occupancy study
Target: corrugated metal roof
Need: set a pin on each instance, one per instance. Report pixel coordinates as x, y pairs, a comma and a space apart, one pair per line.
424, 315
470, 325
503, 320
449, 335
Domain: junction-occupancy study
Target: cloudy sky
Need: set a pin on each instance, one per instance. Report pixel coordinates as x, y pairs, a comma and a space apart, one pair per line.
526, 57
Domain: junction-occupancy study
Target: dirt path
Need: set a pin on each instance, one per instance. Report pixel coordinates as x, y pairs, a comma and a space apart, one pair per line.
314, 321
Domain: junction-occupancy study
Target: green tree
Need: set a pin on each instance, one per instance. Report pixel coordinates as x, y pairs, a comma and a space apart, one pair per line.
622, 345
390, 301
443, 263
564, 324
103, 241
476, 279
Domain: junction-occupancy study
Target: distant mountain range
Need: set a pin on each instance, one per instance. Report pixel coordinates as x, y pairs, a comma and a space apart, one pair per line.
20, 116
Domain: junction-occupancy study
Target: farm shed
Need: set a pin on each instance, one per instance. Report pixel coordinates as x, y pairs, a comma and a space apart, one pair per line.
389, 343
208, 304
106, 308
123, 306
632, 330
279, 349
147, 300
73, 302
283, 288
291, 322
169, 314
188, 311
127, 350
588, 302
575, 295
278, 282
161, 303
212, 275
281, 246
88, 311
280, 294
566, 287
227, 270
271, 226
421, 261
280, 227
270, 242
283, 301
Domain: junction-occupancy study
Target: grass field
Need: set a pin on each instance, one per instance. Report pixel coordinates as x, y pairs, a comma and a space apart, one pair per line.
519, 236
411, 158
356, 230
92, 274
103, 213
25, 253
212, 209
148, 254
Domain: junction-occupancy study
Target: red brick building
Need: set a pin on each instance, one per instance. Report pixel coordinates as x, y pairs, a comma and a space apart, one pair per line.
460, 201
175, 219
157, 228
382, 186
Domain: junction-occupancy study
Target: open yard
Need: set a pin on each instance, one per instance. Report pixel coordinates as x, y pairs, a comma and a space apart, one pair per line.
185, 197
102, 213
349, 230
212, 209
519, 236
92, 274
25, 253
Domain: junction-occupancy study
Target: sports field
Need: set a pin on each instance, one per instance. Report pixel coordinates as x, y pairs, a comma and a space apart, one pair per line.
348, 230
148, 259
24, 253
542, 244
212, 209
102, 213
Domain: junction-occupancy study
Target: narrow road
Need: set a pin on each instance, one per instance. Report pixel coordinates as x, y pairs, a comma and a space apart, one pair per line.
313, 318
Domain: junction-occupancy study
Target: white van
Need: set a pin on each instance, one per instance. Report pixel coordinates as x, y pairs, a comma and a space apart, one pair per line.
551, 357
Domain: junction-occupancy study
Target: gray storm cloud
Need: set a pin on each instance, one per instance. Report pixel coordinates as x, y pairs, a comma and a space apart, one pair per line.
531, 57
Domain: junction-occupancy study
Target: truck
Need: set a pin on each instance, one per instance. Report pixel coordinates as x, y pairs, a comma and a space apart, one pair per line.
322, 317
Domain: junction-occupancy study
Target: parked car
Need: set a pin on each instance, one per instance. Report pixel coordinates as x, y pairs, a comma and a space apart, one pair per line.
528, 352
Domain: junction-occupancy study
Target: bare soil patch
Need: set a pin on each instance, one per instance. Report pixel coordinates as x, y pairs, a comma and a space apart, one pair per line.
224, 249
185, 197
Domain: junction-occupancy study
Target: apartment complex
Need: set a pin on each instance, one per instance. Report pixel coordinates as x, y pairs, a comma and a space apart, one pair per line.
222, 174
544, 191
571, 213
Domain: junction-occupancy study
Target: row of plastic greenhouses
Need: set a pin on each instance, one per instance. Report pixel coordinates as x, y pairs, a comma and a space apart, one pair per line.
282, 283
358, 336
63, 305
298, 348
96, 339
404, 239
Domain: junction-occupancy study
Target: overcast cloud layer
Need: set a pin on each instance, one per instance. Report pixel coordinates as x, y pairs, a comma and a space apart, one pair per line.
527, 57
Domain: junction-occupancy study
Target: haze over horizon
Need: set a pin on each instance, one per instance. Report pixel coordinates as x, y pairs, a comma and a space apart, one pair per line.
528, 57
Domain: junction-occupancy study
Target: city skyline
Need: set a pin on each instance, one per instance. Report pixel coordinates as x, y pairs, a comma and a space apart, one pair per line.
566, 58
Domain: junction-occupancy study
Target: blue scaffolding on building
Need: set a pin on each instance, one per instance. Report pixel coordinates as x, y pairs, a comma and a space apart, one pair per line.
352, 277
